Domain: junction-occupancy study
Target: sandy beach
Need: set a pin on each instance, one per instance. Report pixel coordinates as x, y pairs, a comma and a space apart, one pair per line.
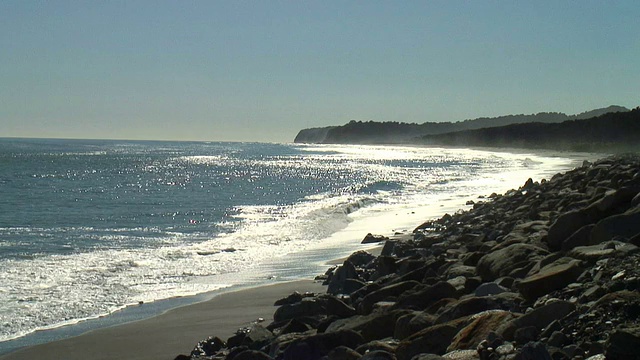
175, 332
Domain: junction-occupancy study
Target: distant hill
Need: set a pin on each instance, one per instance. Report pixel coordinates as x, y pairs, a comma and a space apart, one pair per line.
611, 132
371, 132
313, 135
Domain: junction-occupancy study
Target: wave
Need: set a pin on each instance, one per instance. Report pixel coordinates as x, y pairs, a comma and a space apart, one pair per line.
67, 287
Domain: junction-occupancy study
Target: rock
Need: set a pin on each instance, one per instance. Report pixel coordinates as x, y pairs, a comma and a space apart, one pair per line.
427, 357
337, 307
594, 253
388, 292
558, 339
342, 273
623, 344
534, 351
479, 328
549, 279
473, 305
316, 346
581, 237
343, 353
432, 340
374, 326
352, 285
295, 326
565, 225
525, 334
292, 299
388, 248
597, 357
491, 288
208, 347
388, 346
423, 298
625, 225
410, 324
504, 261
252, 355
378, 355
370, 238
539, 318
360, 258
461, 355
614, 200
306, 307
253, 337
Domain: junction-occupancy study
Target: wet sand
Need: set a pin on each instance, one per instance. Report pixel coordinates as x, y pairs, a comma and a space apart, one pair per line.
175, 332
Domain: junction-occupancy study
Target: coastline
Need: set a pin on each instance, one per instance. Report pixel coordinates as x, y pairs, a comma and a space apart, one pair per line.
173, 332
270, 291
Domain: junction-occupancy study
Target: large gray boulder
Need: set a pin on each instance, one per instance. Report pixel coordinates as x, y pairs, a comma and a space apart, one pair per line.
625, 225
550, 278
503, 262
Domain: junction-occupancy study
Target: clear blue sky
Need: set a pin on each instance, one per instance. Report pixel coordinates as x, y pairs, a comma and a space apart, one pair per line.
262, 70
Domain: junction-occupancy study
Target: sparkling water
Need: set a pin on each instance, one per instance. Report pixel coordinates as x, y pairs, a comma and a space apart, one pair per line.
88, 227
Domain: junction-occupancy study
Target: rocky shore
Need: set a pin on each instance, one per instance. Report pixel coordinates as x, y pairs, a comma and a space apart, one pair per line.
547, 271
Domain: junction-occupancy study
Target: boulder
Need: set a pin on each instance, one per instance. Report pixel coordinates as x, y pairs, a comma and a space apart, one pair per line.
316, 346
625, 225
360, 258
388, 346
343, 353
432, 340
481, 325
374, 326
342, 273
504, 261
425, 297
294, 326
623, 344
337, 307
565, 225
306, 307
378, 355
534, 351
490, 288
470, 306
388, 292
254, 337
539, 318
594, 253
549, 278
411, 323
208, 347
462, 355
370, 239
581, 237
427, 357
252, 355
293, 298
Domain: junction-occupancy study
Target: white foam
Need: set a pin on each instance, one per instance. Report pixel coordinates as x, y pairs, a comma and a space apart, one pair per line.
58, 289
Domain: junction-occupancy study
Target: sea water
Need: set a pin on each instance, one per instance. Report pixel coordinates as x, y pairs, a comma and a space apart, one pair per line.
88, 227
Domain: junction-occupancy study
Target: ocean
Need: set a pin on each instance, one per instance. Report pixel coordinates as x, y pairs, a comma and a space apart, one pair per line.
91, 227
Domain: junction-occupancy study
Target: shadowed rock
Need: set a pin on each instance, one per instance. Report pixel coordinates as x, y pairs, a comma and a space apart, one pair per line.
316, 346
549, 279
504, 261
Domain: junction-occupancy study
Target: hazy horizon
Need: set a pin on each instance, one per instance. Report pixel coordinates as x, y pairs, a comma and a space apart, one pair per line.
261, 71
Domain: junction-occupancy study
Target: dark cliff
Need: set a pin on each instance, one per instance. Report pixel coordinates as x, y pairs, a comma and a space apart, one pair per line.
372, 132
611, 132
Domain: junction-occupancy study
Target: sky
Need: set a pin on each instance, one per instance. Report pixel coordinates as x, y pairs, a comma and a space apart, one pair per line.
263, 70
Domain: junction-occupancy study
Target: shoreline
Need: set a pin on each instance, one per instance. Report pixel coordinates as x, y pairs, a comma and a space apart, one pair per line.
186, 301
173, 332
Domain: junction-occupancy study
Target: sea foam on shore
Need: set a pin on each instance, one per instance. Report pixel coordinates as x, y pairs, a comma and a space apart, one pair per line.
545, 271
